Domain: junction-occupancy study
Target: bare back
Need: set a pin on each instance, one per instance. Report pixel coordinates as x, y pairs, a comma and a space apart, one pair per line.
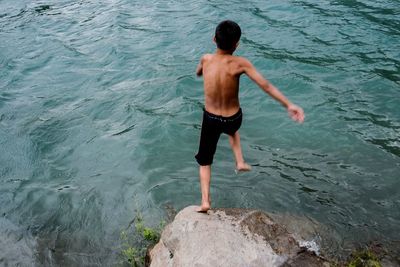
221, 83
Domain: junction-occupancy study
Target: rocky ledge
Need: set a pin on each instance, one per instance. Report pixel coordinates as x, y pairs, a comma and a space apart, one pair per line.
232, 237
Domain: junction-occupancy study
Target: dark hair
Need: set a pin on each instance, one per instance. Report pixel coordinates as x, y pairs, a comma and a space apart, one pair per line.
227, 34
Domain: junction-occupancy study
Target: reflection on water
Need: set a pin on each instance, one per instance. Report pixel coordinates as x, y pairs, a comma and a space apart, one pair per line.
100, 117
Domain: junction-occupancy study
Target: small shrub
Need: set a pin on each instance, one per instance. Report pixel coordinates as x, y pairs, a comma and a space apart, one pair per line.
131, 256
150, 234
135, 244
364, 259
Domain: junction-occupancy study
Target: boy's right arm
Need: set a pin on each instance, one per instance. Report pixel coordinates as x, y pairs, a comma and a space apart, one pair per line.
199, 69
295, 112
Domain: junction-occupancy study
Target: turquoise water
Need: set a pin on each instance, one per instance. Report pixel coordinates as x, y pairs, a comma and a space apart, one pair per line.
100, 115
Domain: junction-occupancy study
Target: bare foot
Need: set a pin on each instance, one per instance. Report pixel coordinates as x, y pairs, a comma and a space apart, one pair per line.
242, 167
204, 207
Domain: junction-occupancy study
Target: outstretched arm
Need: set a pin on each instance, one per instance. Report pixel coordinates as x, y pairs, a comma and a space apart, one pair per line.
295, 112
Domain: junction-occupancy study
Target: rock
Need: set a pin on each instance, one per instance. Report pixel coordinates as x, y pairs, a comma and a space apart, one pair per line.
229, 237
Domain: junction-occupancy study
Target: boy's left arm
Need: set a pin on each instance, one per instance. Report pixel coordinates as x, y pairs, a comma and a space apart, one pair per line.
295, 112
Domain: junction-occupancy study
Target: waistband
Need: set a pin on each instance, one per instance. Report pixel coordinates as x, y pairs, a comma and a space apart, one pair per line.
234, 117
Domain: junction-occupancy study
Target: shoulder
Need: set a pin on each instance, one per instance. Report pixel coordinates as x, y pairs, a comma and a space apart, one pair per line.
243, 64
206, 57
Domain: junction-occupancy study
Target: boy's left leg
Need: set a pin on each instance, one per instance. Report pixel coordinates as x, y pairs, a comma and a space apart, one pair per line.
234, 141
205, 177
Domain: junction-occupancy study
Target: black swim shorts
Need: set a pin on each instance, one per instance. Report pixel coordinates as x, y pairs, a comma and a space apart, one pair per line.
211, 129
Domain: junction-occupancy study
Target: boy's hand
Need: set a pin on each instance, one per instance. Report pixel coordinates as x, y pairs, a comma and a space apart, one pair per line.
296, 113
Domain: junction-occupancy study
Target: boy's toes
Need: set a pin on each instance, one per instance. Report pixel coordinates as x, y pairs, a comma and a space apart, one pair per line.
243, 168
202, 209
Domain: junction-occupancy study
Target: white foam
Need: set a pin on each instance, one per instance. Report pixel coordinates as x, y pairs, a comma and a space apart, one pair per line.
310, 246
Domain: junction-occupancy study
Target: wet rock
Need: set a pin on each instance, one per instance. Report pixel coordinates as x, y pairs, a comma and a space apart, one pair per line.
230, 237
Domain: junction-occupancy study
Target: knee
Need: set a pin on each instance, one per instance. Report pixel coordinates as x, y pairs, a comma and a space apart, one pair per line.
205, 167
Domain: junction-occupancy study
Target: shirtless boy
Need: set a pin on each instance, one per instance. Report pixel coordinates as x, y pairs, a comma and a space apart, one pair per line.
222, 113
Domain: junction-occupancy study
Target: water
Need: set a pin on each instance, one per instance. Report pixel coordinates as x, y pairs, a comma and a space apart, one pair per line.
100, 113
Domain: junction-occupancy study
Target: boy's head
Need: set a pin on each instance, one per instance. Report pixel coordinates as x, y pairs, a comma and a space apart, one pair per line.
227, 35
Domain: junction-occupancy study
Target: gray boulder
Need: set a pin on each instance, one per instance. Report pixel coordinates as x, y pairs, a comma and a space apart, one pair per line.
230, 237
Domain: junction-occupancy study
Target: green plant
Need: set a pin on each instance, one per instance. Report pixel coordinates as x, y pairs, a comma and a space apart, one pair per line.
131, 256
135, 243
151, 235
364, 259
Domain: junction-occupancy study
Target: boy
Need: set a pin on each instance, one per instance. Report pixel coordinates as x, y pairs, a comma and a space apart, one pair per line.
222, 113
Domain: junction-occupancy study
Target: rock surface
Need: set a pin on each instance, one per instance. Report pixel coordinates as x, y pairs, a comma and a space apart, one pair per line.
230, 237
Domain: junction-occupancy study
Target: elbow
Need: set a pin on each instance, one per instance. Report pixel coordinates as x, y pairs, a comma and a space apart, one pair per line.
266, 86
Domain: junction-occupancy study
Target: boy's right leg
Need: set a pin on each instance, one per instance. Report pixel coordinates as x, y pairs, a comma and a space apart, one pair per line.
205, 177
234, 141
